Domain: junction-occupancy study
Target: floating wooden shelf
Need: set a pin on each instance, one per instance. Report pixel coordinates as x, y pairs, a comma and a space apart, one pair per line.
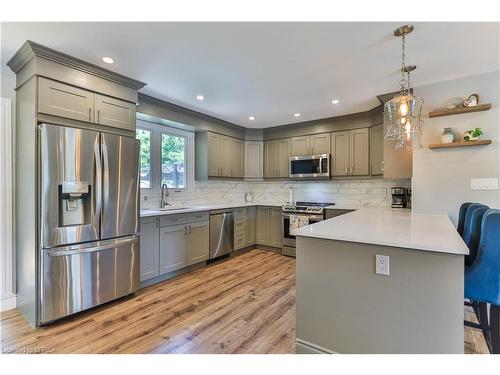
461, 144
459, 110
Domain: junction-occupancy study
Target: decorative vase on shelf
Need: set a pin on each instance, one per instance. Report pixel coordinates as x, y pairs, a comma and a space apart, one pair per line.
447, 136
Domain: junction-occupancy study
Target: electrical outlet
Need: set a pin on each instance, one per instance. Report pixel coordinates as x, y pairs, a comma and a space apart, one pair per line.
484, 183
382, 265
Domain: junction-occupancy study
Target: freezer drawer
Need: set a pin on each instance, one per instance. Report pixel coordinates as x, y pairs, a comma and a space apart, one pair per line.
78, 277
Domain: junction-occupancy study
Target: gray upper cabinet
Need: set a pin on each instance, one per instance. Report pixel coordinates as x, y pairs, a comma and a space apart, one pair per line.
114, 112
376, 150
350, 152
301, 146
311, 145
254, 160
359, 151
59, 99
150, 248
276, 158
340, 145
320, 144
214, 140
218, 155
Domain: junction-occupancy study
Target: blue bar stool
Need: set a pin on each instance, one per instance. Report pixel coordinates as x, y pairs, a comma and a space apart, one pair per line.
482, 278
472, 229
461, 217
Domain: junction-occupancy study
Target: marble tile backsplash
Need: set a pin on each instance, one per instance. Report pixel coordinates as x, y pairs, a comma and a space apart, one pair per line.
376, 192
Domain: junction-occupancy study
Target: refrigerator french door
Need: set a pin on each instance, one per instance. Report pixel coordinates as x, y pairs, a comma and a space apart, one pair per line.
89, 219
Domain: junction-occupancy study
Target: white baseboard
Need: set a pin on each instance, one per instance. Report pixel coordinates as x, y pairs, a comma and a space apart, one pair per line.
8, 303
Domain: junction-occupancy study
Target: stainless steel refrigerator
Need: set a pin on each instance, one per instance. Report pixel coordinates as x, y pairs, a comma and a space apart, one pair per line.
88, 219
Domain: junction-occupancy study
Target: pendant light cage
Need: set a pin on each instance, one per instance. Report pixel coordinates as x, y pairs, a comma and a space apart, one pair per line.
402, 114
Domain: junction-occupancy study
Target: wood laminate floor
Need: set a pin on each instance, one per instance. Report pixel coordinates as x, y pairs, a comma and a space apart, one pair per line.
243, 305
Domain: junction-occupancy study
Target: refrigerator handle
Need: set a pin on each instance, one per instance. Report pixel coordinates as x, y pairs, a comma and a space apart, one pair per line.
97, 186
88, 248
105, 177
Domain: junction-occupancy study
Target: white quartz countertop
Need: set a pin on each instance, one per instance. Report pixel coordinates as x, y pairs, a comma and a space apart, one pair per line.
174, 210
391, 227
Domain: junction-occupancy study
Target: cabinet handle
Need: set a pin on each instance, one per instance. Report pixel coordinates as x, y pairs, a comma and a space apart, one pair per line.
98, 116
346, 169
190, 229
352, 169
382, 165
371, 168
185, 231
90, 114
157, 222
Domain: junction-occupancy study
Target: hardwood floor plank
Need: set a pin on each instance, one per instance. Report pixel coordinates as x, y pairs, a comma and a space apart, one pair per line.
245, 304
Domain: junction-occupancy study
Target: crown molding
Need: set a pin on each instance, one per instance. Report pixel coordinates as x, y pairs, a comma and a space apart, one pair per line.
30, 50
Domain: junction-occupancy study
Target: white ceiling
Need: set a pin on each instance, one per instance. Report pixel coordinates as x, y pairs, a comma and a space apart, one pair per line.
269, 70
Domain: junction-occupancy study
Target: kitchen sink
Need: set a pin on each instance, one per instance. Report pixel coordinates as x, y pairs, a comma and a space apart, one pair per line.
170, 208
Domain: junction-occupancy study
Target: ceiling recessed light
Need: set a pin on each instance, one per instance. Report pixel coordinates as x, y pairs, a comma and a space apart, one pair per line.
200, 97
335, 101
251, 118
108, 60
296, 114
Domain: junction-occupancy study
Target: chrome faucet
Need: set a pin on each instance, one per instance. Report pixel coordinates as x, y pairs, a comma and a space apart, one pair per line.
164, 194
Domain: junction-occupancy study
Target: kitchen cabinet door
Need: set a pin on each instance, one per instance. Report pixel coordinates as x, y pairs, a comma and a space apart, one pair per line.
376, 149
301, 146
198, 242
150, 248
269, 158
58, 99
226, 154
173, 248
282, 161
237, 157
213, 145
340, 148
262, 225
114, 112
320, 144
250, 226
274, 225
254, 160
359, 152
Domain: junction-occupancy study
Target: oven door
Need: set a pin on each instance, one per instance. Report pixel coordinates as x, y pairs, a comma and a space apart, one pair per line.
309, 166
288, 239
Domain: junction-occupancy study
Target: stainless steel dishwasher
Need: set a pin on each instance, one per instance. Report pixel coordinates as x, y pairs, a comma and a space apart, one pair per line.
221, 233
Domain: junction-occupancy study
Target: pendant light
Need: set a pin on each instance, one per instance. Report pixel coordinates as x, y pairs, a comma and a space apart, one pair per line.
402, 113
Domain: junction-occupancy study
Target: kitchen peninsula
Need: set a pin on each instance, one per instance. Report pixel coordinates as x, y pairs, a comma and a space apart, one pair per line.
344, 306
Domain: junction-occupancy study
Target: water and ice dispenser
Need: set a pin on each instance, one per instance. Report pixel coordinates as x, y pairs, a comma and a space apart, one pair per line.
74, 203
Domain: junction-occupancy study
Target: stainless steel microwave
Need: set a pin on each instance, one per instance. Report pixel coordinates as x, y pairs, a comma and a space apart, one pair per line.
309, 167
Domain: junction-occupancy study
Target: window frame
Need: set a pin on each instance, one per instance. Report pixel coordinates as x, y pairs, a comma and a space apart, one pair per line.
157, 132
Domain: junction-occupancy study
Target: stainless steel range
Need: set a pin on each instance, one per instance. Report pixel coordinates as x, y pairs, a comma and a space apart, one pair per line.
313, 210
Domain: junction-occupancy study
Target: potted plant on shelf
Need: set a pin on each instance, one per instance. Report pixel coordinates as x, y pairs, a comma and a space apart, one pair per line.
473, 135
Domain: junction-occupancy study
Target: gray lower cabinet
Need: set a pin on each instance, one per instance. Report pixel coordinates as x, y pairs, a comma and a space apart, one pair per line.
269, 226
173, 248
244, 227
198, 242
183, 245
150, 248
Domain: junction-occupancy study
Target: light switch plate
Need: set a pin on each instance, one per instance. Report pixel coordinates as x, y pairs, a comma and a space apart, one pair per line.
382, 265
484, 183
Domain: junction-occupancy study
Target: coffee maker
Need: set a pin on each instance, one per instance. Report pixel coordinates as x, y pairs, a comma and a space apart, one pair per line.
400, 197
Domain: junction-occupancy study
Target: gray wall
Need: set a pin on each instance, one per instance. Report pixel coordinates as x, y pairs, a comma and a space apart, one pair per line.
442, 177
